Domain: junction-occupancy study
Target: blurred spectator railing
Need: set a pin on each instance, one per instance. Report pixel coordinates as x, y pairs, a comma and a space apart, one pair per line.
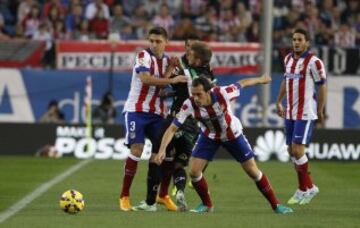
21, 53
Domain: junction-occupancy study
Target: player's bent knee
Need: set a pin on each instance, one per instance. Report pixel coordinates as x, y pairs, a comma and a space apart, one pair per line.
297, 150
137, 149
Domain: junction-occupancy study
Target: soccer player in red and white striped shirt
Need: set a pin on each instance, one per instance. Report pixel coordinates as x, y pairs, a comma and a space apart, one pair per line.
144, 113
305, 90
219, 127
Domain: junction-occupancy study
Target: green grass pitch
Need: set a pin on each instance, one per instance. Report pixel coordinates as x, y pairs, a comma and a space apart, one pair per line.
236, 198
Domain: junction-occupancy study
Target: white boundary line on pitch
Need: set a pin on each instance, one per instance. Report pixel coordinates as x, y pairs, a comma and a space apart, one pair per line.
15, 208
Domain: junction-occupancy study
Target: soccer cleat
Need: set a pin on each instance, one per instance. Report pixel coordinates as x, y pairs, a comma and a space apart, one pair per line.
124, 203
167, 202
143, 206
281, 209
297, 197
190, 185
310, 193
201, 208
180, 201
173, 190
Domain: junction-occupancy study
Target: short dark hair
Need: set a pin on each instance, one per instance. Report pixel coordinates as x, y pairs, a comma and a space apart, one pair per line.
158, 31
204, 81
202, 51
302, 31
191, 36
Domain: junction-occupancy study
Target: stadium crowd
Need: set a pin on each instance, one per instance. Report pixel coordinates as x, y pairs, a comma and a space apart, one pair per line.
329, 22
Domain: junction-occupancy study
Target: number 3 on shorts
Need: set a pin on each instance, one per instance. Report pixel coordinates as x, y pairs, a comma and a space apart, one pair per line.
132, 125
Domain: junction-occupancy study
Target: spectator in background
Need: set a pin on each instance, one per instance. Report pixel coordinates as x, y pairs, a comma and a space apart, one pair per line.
3, 35
131, 6
50, 5
152, 7
183, 29
174, 7
193, 8
253, 33
335, 18
312, 20
244, 16
53, 114
54, 16
119, 22
326, 11
345, 37
99, 25
73, 19
83, 33
93, 8
164, 19
350, 14
31, 22
24, 9
59, 32
44, 34
324, 35
140, 22
105, 113
207, 24
357, 29
228, 25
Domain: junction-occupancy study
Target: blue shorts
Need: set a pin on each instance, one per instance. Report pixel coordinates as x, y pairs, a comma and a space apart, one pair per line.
140, 125
298, 131
239, 148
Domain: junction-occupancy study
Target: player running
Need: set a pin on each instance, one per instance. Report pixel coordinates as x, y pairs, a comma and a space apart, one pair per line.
219, 127
303, 72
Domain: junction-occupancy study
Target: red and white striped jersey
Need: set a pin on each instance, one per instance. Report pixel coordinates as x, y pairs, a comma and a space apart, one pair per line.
217, 120
301, 75
145, 98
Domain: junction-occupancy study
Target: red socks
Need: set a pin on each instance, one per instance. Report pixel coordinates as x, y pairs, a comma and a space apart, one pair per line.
129, 173
265, 188
304, 179
201, 188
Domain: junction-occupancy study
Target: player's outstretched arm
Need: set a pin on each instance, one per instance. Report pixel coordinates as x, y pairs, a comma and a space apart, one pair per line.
168, 135
281, 95
264, 79
146, 78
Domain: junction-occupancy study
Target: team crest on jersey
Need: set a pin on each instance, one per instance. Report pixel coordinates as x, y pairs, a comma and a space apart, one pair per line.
132, 135
141, 58
301, 66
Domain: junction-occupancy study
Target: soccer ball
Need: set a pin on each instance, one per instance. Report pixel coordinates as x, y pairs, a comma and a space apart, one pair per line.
72, 201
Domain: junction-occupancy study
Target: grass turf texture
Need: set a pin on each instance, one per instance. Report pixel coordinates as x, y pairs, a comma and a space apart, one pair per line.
236, 198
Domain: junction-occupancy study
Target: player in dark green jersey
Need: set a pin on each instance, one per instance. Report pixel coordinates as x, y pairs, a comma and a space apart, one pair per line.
193, 63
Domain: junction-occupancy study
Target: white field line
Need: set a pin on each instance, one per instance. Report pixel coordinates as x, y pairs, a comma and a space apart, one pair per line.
15, 208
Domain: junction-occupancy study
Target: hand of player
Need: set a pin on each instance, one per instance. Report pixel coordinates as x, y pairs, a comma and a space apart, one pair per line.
159, 158
265, 79
180, 78
174, 61
321, 116
280, 110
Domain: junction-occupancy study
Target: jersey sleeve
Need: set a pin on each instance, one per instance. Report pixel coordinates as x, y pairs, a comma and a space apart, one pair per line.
232, 91
318, 71
142, 62
185, 111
